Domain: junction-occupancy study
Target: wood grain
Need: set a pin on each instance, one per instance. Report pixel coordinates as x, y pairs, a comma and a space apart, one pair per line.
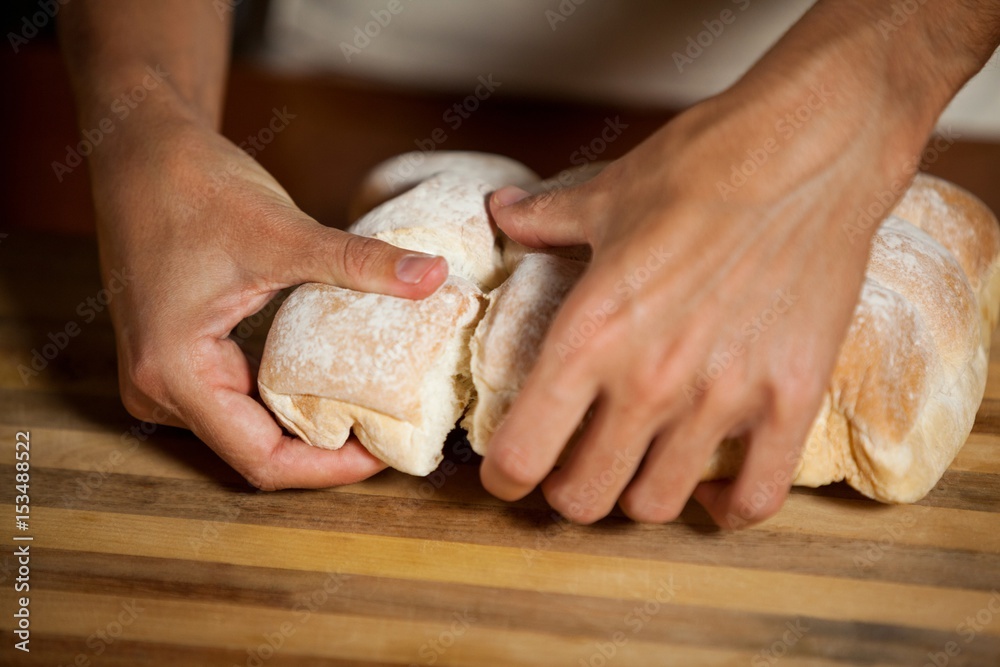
149, 550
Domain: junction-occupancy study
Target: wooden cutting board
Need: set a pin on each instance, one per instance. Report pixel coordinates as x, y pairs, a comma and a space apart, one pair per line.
147, 549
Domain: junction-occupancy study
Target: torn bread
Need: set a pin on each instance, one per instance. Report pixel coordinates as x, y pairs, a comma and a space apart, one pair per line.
509, 337
393, 370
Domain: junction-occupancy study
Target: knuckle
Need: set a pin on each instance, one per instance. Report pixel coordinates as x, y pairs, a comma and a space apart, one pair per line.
643, 509
360, 256
577, 510
259, 477
543, 201
755, 504
512, 464
134, 403
654, 389
796, 396
726, 397
141, 383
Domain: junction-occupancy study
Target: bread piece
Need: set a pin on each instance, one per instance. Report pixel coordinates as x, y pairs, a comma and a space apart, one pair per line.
508, 338
911, 371
398, 174
910, 375
395, 370
445, 215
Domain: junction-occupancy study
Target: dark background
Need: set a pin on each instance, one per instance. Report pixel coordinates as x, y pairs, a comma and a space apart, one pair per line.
342, 128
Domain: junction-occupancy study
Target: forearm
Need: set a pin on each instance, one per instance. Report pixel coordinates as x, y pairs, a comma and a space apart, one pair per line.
111, 46
899, 61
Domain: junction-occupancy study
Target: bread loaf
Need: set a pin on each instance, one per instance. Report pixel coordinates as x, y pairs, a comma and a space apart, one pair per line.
398, 174
904, 393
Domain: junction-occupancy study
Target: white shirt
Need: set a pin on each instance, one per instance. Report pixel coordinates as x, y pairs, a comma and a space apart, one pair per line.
665, 53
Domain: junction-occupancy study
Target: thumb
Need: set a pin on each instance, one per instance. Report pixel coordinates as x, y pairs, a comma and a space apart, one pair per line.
552, 218
336, 257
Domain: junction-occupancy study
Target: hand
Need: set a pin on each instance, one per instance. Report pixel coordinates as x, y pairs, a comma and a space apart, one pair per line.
207, 237
714, 306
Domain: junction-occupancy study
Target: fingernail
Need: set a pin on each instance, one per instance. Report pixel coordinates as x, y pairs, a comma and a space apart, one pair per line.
412, 268
509, 195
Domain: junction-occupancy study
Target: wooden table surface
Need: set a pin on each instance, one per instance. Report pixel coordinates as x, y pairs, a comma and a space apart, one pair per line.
147, 549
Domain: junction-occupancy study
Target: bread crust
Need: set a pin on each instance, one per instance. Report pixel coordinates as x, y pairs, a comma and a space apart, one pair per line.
902, 400
389, 368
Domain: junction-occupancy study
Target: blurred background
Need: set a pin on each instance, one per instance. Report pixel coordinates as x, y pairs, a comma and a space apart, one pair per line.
365, 83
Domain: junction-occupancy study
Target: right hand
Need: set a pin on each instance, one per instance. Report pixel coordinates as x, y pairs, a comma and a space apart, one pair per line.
206, 237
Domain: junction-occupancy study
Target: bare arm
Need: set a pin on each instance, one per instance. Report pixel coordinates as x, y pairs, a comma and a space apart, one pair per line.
203, 234
832, 119
109, 47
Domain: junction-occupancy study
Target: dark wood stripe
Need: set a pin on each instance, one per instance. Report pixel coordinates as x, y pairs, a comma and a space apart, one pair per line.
957, 489
434, 602
988, 417
692, 540
53, 649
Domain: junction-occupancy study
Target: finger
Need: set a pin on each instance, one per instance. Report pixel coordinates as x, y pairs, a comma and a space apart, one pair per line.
763, 482
326, 255
145, 409
245, 435
676, 460
600, 466
553, 218
544, 416
142, 406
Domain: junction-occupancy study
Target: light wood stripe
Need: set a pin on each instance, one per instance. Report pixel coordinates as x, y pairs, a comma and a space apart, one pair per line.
577, 574
981, 453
